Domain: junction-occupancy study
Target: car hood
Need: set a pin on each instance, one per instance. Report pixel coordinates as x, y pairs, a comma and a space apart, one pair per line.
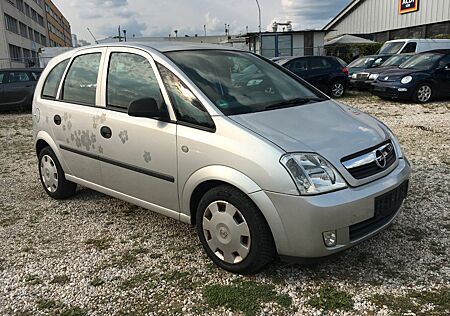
327, 128
398, 73
380, 70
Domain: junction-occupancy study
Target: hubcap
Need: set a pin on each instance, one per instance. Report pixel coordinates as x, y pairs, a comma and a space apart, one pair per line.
49, 173
338, 89
424, 93
226, 232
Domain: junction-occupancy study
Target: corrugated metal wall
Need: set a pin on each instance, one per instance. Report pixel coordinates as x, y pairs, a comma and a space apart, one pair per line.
373, 16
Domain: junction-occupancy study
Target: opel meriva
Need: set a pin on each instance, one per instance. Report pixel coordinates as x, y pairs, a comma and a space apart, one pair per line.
259, 160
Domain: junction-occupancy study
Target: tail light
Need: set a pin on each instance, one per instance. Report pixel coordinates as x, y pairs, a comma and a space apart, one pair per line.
345, 71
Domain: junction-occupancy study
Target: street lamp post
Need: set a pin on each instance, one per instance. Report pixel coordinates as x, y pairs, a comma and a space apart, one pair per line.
260, 37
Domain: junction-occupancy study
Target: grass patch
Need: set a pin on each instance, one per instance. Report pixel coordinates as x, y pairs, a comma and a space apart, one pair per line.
60, 279
330, 298
413, 302
33, 279
73, 311
99, 243
246, 296
138, 280
97, 282
44, 304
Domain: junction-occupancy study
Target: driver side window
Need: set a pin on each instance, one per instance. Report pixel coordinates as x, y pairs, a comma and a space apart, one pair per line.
187, 107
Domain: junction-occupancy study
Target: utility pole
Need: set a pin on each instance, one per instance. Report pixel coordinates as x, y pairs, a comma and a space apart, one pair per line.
260, 36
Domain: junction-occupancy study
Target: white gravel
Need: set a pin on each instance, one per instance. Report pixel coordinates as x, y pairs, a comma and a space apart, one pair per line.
96, 255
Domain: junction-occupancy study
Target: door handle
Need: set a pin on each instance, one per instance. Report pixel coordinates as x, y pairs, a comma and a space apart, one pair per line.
106, 132
57, 119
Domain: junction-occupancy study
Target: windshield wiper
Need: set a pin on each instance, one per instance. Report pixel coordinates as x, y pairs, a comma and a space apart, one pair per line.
293, 102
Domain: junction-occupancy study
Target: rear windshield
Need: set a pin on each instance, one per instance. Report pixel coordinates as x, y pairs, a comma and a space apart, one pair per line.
239, 82
422, 61
391, 48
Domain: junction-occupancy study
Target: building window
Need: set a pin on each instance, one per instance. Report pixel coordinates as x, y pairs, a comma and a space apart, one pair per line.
43, 40
40, 20
37, 36
11, 24
33, 15
27, 10
19, 5
30, 33
15, 53
23, 30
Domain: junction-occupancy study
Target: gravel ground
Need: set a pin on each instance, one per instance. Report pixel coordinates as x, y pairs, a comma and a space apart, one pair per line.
96, 255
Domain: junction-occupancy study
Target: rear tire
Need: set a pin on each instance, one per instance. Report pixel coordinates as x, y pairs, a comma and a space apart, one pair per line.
423, 93
52, 176
337, 89
233, 232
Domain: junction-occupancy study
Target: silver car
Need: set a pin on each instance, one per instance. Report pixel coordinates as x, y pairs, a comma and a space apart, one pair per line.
260, 161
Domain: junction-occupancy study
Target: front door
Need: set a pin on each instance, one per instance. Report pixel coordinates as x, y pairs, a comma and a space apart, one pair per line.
19, 85
138, 155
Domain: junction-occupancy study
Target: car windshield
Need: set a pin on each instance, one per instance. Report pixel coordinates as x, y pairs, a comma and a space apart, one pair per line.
238, 82
396, 60
362, 62
423, 61
391, 48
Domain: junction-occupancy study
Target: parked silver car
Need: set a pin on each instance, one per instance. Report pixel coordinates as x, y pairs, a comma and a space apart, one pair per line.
262, 163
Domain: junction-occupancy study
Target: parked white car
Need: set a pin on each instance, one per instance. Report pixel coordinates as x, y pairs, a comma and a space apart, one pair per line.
402, 46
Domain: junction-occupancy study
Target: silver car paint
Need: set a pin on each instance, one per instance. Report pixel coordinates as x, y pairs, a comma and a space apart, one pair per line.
244, 151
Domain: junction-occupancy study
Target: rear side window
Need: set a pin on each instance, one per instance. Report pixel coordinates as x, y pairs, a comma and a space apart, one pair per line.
80, 85
18, 76
2, 75
53, 79
319, 63
187, 107
298, 65
130, 78
410, 48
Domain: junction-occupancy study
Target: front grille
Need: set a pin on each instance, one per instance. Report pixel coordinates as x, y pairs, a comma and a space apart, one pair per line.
386, 206
363, 164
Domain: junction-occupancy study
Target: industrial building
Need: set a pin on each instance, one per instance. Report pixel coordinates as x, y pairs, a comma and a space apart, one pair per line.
382, 20
22, 32
59, 34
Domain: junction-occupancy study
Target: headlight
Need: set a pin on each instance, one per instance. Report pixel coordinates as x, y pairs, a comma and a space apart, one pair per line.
373, 76
354, 76
406, 79
312, 174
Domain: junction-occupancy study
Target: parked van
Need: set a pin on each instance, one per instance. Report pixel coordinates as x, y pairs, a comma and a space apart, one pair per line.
402, 46
262, 165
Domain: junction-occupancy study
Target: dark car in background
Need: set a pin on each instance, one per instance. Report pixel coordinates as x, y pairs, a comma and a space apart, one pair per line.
421, 78
364, 79
17, 88
366, 62
328, 74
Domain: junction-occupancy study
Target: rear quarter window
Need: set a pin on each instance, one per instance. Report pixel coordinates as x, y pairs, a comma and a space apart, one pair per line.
53, 79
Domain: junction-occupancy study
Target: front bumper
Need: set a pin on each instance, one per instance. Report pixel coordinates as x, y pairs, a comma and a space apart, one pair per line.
304, 219
361, 84
392, 90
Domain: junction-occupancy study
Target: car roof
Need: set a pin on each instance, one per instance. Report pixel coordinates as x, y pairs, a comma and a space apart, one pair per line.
437, 51
165, 46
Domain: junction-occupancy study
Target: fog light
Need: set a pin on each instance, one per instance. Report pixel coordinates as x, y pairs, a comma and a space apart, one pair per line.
330, 238
402, 89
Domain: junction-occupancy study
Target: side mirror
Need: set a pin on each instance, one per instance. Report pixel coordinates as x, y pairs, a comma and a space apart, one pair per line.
145, 107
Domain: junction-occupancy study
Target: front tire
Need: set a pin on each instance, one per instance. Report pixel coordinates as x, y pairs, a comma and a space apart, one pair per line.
52, 176
233, 232
423, 93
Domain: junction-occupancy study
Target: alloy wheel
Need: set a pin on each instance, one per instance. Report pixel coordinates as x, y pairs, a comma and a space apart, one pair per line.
424, 93
49, 173
337, 90
226, 232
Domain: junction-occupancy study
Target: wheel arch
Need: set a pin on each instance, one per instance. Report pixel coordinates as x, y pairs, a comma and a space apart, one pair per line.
209, 177
43, 139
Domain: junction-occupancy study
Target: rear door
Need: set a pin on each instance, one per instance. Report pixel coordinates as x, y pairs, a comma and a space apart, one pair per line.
138, 157
74, 115
442, 76
299, 67
18, 87
319, 72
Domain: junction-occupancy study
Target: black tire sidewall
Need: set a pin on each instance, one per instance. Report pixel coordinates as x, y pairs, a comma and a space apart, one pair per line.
250, 212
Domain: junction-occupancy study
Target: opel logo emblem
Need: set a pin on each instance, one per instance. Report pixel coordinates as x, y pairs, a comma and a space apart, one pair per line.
380, 159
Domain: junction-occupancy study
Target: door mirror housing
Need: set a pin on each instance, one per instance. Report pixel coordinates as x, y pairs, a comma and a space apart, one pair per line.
145, 107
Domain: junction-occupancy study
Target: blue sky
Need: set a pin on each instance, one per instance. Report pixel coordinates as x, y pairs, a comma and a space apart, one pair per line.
159, 18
